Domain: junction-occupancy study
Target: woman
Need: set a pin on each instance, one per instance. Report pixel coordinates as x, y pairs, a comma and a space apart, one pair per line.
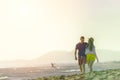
91, 54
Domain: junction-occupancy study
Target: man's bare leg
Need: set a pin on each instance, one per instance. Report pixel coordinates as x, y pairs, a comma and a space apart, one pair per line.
80, 68
83, 68
83, 65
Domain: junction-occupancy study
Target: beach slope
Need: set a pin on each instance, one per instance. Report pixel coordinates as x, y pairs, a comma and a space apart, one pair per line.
112, 74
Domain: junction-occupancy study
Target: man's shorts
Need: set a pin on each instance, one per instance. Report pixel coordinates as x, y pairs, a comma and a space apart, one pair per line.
81, 60
90, 57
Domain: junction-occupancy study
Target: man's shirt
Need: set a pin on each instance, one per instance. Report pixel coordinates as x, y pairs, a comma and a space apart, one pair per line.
81, 49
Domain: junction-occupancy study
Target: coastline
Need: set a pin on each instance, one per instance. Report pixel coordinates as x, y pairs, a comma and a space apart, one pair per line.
111, 74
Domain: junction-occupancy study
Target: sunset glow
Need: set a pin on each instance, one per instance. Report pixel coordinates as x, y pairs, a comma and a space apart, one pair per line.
30, 28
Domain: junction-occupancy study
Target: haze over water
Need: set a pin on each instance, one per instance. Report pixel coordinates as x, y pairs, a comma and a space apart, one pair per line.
31, 28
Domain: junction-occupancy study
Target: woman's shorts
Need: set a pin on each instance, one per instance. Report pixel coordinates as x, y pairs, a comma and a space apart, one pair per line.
90, 57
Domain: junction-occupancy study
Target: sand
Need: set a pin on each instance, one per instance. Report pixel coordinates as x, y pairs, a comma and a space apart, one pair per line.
112, 74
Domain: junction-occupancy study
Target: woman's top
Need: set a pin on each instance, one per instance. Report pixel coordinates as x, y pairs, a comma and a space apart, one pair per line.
88, 51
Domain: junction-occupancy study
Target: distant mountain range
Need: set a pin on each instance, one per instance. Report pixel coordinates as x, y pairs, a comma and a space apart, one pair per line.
57, 57
68, 57
60, 57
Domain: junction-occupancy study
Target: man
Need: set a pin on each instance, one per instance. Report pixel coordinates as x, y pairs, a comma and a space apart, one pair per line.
80, 47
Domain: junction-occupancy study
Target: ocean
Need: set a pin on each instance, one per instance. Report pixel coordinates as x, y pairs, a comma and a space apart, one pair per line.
25, 73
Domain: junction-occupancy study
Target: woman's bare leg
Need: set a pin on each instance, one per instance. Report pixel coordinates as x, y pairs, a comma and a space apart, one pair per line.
91, 66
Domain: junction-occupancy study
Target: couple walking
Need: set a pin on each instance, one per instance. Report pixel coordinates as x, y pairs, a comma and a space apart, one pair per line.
86, 54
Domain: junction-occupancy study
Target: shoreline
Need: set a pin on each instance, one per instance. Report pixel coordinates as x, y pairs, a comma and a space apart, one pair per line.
110, 74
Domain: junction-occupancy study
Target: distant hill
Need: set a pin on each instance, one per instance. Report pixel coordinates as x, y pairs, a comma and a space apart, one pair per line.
48, 58
60, 57
108, 55
57, 57
68, 57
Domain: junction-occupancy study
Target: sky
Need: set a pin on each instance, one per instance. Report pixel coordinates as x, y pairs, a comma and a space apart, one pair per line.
30, 28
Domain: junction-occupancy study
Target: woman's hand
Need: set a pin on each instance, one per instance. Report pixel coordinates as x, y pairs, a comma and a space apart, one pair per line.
97, 61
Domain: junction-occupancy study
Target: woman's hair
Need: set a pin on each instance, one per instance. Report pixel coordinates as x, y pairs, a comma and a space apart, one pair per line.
90, 44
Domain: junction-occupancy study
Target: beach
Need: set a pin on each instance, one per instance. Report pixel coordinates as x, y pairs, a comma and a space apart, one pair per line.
66, 71
112, 74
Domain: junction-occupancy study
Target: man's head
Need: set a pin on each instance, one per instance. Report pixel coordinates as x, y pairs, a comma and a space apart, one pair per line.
82, 39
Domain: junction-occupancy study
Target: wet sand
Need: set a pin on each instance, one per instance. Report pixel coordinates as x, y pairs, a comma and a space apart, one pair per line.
29, 73
96, 75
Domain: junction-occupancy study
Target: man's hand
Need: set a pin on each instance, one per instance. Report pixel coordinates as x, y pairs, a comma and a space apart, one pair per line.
75, 54
75, 57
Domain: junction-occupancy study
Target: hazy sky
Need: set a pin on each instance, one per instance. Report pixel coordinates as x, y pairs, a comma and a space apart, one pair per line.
29, 28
